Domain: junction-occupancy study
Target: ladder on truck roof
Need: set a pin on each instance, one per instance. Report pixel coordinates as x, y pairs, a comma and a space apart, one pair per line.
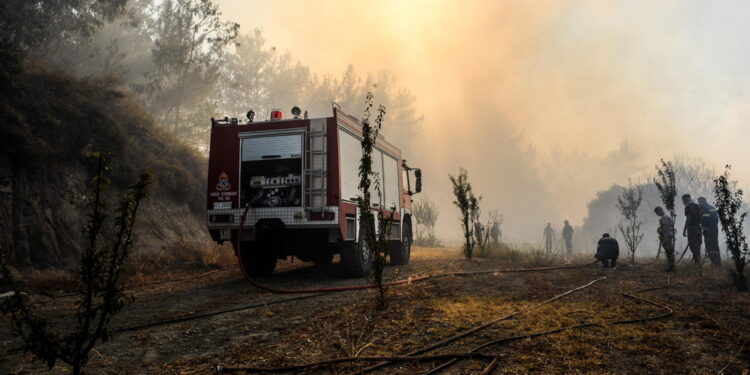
315, 164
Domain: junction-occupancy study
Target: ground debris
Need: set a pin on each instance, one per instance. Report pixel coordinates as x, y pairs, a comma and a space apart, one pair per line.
705, 335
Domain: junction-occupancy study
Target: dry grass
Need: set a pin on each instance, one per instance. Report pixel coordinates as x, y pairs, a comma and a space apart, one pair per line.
706, 334
520, 254
432, 253
180, 259
50, 122
697, 340
175, 262
46, 281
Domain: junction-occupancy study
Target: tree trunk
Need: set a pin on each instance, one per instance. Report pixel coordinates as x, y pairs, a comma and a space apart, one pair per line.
20, 250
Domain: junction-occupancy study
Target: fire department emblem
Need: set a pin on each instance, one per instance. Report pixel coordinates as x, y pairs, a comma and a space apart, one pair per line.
223, 184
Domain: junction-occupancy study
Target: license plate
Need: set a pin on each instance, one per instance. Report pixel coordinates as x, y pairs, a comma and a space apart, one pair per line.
222, 205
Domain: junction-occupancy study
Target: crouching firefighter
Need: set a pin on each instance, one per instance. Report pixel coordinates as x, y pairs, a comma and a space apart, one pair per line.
607, 251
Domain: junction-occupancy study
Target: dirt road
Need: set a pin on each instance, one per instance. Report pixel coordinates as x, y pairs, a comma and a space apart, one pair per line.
706, 334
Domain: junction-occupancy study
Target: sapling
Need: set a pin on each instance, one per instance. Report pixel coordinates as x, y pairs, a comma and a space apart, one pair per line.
665, 183
729, 203
468, 204
380, 242
100, 294
628, 203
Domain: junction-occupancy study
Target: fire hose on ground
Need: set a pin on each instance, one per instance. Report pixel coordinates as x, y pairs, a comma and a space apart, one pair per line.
494, 363
407, 280
318, 292
418, 355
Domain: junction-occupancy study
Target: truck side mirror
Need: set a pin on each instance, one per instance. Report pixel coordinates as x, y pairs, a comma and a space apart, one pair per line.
418, 183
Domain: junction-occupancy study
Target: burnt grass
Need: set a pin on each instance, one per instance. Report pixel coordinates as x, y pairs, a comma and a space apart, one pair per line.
707, 333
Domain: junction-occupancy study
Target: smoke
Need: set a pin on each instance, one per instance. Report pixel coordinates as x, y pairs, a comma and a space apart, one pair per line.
544, 103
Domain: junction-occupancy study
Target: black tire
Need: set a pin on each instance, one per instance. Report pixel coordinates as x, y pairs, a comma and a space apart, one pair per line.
401, 252
356, 257
256, 260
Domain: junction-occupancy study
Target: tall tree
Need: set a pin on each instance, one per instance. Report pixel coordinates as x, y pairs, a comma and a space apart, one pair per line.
426, 213
190, 44
693, 176
121, 48
246, 74
259, 77
32, 25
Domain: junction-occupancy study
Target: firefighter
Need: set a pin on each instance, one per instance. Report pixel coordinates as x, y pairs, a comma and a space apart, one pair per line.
607, 251
478, 233
692, 229
665, 230
549, 236
495, 233
710, 224
567, 234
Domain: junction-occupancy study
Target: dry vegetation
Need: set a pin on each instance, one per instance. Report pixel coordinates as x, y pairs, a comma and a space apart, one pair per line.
51, 122
706, 334
176, 262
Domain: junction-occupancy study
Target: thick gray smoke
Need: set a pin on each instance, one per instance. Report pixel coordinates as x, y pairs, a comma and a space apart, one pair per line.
543, 103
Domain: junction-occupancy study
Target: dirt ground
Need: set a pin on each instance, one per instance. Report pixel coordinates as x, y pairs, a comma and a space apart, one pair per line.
707, 333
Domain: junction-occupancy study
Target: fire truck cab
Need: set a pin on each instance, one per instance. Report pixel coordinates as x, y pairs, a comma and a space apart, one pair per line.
300, 178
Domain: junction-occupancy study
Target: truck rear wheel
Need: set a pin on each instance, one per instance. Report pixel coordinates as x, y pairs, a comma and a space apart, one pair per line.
256, 260
400, 253
356, 257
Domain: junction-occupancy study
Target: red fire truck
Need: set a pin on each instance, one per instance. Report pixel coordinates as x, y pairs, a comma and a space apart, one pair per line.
300, 179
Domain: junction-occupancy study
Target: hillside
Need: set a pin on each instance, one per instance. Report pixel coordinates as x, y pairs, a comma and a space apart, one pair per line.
49, 123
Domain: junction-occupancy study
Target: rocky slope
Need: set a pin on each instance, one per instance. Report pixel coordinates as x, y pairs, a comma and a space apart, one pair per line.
49, 123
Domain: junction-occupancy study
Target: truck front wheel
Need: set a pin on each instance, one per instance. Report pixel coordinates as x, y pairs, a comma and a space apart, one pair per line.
356, 257
400, 253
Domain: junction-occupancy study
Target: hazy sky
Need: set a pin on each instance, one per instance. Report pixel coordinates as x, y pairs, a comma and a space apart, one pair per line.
505, 83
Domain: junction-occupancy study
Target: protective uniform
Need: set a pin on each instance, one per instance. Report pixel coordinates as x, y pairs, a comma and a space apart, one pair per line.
710, 224
495, 233
549, 236
567, 234
479, 232
666, 236
693, 215
607, 251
